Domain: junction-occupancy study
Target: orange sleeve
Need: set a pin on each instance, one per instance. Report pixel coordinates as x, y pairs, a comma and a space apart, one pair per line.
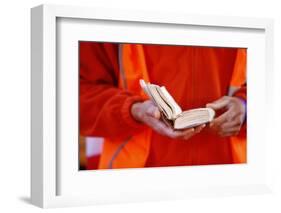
241, 92
239, 80
104, 108
239, 76
240, 66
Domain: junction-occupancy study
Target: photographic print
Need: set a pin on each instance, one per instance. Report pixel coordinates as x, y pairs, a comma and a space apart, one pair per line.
148, 105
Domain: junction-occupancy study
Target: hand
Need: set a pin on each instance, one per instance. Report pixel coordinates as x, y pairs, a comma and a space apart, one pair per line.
230, 122
147, 113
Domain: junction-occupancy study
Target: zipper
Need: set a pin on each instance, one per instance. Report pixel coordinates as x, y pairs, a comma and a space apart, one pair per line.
193, 146
192, 75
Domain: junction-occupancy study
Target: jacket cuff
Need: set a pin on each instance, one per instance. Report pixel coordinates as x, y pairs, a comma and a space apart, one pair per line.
241, 94
126, 113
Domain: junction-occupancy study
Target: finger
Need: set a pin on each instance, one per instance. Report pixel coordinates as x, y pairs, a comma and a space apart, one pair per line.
231, 124
153, 111
220, 120
178, 134
218, 104
230, 130
199, 128
191, 133
229, 134
187, 132
158, 126
153, 122
240, 117
163, 129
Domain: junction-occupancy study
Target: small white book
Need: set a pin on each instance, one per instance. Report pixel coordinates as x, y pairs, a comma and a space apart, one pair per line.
171, 112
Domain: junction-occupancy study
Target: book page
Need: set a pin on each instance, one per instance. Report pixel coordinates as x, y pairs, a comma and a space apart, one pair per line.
164, 107
172, 102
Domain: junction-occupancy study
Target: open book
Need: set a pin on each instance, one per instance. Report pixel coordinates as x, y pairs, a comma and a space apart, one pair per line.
171, 112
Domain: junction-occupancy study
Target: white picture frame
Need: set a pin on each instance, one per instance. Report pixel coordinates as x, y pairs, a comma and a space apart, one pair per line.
46, 161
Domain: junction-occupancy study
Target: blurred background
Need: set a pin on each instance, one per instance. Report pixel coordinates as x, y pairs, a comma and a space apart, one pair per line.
89, 152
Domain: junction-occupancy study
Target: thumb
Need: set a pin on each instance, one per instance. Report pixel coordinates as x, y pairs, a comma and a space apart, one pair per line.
153, 111
218, 104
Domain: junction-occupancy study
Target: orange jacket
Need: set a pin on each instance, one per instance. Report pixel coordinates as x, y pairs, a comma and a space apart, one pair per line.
193, 75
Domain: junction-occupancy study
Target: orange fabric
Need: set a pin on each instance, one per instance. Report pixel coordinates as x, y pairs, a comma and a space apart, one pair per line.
193, 75
238, 80
132, 155
104, 108
239, 72
134, 67
136, 149
239, 147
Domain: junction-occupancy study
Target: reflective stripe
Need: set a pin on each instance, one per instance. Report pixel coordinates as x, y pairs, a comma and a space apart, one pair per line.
121, 67
116, 153
125, 86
